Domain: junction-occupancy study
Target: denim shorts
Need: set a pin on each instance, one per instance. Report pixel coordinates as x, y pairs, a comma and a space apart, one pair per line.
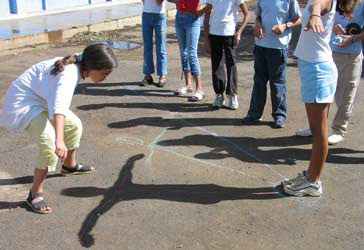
318, 81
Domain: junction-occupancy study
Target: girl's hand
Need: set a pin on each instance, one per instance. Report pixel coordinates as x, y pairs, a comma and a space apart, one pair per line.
279, 28
237, 39
61, 150
315, 23
338, 29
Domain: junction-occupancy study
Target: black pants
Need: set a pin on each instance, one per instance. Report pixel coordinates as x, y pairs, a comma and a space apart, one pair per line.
223, 52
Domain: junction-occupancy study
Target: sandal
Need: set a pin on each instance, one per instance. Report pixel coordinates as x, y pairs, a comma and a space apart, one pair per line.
37, 206
183, 91
77, 170
148, 80
162, 82
197, 96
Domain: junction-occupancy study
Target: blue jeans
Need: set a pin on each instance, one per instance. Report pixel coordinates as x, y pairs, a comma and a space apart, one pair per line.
188, 34
269, 65
157, 22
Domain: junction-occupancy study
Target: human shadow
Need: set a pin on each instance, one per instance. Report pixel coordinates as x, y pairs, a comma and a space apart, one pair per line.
120, 89
249, 149
125, 190
12, 205
171, 107
17, 181
178, 123
24, 179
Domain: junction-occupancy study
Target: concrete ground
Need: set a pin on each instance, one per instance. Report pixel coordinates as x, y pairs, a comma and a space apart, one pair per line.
178, 175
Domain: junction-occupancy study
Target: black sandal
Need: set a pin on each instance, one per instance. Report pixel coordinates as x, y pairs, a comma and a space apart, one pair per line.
162, 82
77, 170
37, 206
148, 80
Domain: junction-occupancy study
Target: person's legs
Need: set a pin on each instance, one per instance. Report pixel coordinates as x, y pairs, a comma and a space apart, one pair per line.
42, 132
277, 60
72, 136
259, 93
192, 38
349, 68
232, 72
317, 118
182, 44
147, 32
217, 64
160, 41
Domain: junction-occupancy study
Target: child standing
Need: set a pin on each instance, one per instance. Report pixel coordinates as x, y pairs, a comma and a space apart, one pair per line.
221, 41
38, 101
154, 19
188, 33
318, 84
275, 19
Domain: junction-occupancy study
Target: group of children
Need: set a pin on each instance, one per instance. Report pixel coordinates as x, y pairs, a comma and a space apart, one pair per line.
38, 101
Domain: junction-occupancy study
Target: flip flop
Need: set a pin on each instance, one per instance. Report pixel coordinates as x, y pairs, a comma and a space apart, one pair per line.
197, 96
183, 91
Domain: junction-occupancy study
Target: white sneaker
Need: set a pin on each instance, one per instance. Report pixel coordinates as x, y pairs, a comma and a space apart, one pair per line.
286, 182
304, 132
233, 102
303, 187
219, 101
335, 138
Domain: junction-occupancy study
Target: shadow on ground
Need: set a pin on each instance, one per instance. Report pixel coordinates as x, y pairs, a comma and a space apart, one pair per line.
125, 190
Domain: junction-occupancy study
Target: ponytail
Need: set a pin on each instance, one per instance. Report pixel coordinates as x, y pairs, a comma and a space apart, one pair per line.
59, 65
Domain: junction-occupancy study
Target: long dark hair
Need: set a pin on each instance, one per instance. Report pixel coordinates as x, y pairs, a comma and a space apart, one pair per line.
341, 7
97, 56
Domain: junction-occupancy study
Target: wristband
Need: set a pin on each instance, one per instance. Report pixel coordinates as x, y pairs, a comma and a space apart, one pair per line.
287, 26
315, 15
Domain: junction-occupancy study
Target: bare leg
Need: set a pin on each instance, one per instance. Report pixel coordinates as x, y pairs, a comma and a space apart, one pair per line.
38, 182
70, 161
188, 79
198, 83
317, 117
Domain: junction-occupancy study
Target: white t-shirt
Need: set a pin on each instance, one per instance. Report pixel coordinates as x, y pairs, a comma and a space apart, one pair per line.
35, 91
151, 6
224, 16
315, 47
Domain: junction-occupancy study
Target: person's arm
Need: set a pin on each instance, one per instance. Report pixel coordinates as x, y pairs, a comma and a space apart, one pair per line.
282, 27
349, 40
202, 11
245, 11
159, 2
206, 27
61, 149
317, 8
258, 28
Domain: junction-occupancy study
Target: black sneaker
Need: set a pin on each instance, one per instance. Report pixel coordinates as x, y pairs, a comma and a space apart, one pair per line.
248, 120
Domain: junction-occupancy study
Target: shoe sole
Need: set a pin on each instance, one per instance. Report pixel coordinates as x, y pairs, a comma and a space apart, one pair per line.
334, 143
30, 205
298, 194
78, 173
